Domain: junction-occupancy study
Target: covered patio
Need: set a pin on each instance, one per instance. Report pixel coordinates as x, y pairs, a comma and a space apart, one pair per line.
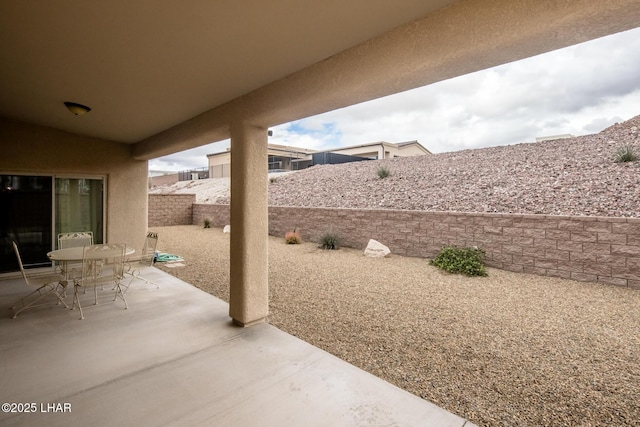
157, 79
175, 358
146, 81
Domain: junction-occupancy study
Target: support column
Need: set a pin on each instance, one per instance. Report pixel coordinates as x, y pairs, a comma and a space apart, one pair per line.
249, 274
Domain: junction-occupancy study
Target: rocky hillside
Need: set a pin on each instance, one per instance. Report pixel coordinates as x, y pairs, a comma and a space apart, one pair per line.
576, 176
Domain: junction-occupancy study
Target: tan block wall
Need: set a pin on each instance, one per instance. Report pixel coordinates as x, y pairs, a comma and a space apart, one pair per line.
594, 249
170, 209
219, 215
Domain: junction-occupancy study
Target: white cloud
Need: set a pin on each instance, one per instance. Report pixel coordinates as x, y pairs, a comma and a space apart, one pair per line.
578, 90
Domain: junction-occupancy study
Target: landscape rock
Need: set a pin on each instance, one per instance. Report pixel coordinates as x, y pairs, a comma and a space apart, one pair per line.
226, 229
376, 249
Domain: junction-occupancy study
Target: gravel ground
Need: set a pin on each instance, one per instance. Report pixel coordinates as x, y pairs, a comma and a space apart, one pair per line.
509, 349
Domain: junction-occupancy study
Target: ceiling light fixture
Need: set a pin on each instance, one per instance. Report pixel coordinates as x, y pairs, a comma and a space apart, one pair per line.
77, 109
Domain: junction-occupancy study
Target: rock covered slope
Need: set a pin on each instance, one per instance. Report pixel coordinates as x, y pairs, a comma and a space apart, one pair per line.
575, 176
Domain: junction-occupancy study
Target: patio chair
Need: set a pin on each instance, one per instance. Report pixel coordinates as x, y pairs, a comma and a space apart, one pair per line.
146, 259
46, 284
73, 240
95, 259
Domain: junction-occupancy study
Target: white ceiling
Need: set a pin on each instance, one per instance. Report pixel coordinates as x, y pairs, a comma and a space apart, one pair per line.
145, 66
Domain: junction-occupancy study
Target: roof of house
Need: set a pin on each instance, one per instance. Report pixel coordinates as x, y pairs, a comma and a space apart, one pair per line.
300, 150
398, 145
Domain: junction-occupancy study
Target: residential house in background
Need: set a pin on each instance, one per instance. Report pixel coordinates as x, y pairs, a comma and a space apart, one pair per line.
289, 158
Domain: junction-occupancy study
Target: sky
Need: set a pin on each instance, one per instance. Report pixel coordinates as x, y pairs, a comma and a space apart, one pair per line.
577, 90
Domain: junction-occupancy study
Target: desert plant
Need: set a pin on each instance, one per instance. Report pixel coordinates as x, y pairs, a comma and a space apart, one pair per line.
625, 153
467, 261
329, 240
207, 223
292, 237
383, 172
272, 179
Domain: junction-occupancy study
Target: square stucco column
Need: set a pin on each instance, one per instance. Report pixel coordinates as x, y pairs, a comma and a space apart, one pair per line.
249, 274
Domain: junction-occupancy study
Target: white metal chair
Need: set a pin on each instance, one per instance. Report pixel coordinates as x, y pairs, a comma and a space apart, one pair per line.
146, 259
94, 260
46, 284
73, 240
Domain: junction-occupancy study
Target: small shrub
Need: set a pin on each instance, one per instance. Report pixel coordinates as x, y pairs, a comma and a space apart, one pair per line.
292, 237
329, 240
207, 223
467, 261
625, 153
383, 172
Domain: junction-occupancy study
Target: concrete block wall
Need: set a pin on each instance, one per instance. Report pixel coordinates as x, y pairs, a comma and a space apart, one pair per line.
594, 249
217, 214
171, 209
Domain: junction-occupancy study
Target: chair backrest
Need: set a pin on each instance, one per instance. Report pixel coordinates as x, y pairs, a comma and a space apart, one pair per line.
75, 239
149, 248
92, 256
24, 274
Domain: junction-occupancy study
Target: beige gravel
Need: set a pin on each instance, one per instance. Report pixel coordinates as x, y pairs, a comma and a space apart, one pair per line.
509, 349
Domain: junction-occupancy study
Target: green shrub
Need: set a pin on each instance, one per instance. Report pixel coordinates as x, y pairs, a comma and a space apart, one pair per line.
383, 172
207, 223
329, 240
467, 261
625, 153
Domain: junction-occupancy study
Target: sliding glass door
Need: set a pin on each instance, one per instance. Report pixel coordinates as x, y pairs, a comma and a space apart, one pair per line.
34, 209
79, 206
25, 218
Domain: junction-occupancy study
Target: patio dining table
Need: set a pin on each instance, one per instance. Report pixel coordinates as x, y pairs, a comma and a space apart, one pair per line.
76, 254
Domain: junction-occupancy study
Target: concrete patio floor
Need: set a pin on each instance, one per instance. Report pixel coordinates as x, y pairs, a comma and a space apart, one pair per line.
175, 358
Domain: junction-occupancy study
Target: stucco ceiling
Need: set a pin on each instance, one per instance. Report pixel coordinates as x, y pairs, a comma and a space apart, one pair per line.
145, 66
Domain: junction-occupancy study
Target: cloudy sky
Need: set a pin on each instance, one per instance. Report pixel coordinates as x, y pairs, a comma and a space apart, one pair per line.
577, 90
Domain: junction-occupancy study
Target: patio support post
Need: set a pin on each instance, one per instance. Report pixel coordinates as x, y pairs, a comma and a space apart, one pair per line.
249, 287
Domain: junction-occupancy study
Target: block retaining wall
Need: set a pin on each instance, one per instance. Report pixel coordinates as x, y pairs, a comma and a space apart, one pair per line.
171, 209
594, 249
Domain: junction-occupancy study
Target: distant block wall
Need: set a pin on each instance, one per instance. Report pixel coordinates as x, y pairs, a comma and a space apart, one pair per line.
170, 209
595, 249
217, 214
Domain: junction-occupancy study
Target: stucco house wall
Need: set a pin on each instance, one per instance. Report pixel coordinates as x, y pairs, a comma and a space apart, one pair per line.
385, 150
220, 163
28, 149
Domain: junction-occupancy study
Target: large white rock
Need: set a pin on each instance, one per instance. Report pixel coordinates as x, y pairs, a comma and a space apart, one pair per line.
376, 249
226, 229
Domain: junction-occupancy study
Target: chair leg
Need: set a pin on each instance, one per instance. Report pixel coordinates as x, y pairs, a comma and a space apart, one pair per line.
22, 301
61, 295
77, 300
118, 289
42, 291
136, 275
133, 277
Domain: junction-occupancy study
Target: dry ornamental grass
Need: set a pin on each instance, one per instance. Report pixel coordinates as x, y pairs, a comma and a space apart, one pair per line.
507, 349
